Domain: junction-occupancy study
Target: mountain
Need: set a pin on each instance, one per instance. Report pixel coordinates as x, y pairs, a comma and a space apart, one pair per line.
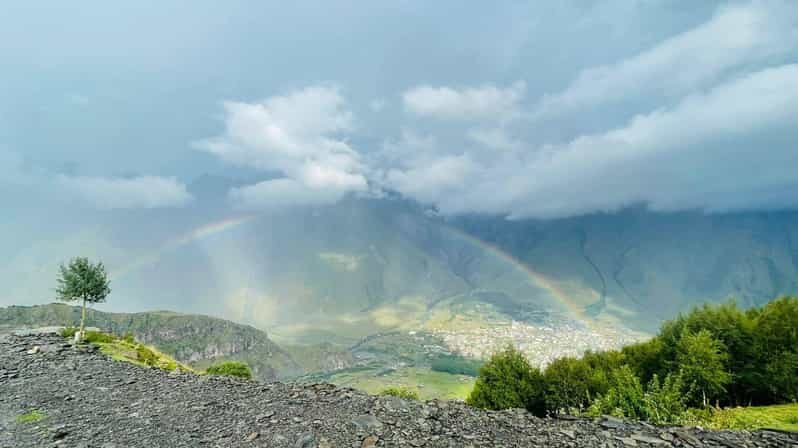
198, 340
339, 273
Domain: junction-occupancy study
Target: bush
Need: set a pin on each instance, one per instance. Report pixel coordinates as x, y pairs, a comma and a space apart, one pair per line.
567, 385
624, 398
99, 337
665, 402
508, 381
400, 392
68, 332
146, 356
128, 337
230, 368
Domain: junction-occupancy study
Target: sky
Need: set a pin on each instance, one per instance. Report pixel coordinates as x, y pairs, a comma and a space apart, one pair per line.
524, 110
516, 109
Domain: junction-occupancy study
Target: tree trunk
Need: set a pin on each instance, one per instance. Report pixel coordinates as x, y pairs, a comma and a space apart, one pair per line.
82, 318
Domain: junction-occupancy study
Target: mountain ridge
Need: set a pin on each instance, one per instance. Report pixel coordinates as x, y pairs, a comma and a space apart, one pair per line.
190, 338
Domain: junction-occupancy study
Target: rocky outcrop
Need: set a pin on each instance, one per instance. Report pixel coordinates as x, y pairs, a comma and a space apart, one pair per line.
85, 399
193, 339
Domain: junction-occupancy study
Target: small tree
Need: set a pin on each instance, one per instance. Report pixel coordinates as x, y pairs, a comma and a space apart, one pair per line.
507, 380
82, 280
701, 359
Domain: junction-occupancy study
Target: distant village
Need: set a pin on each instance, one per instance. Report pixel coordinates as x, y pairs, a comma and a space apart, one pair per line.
541, 343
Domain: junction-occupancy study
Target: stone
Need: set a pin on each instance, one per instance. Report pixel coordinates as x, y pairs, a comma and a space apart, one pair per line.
34, 350
102, 402
306, 440
366, 422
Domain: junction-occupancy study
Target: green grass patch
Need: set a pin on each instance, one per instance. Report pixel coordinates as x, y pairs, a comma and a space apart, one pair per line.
126, 349
31, 417
400, 392
427, 383
781, 416
456, 365
230, 368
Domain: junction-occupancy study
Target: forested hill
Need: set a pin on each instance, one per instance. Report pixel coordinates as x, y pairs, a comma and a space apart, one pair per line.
193, 339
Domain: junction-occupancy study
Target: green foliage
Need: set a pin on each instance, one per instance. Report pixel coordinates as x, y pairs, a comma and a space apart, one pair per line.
31, 417
68, 332
776, 346
783, 417
714, 355
625, 397
456, 365
567, 385
400, 392
230, 368
664, 402
99, 337
82, 280
508, 381
146, 356
701, 359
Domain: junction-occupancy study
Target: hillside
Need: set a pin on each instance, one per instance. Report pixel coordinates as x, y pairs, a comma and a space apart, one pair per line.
42, 405
193, 339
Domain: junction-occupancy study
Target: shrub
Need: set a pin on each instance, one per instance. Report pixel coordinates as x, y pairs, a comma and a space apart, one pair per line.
230, 368
625, 397
99, 337
146, 356
567, 385
506, 381
665, 402
128, 337
400, 392
68, 332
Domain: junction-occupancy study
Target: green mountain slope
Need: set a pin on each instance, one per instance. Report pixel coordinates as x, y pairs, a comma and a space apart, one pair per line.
193, 339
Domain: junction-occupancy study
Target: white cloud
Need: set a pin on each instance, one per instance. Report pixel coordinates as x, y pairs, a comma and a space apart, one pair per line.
432, 180
284, 192
735, 37
121, 193
732, 147
485, 102
301, 135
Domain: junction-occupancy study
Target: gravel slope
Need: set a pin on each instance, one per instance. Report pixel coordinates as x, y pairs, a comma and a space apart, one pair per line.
89, 400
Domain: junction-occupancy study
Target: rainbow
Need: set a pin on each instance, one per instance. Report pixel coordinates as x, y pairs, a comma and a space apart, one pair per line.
195, 234
534, 277
207, 230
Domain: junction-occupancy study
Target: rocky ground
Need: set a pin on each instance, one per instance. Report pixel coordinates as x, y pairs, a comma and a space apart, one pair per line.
84, 399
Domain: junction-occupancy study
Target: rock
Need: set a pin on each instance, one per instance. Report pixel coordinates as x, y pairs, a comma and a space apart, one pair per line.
306, 440
612, 422
101, 402
58, 432
650, 440
34, 350
366, 423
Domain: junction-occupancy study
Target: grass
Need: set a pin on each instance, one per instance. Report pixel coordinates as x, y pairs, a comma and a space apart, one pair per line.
126, 349
782, 416
31, 417
426, 383
142, 355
